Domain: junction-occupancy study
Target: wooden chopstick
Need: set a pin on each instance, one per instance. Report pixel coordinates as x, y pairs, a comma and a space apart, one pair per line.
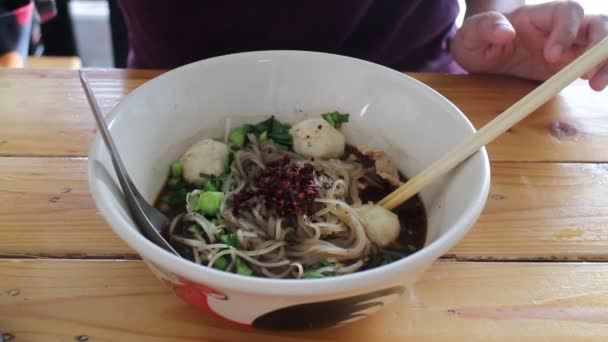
518, 111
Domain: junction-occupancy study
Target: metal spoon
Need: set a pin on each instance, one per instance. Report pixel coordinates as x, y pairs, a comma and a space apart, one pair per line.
149, 220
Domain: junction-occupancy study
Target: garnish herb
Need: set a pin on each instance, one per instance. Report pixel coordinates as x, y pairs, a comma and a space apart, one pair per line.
313, 275
336, 119
210, 186
216, 183
176, 170
229, 238
264, 136
242, 267
237, 137
267, 129
221, 263
194, 229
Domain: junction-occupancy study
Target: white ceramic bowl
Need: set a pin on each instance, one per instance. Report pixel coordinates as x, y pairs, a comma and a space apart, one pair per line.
156, 122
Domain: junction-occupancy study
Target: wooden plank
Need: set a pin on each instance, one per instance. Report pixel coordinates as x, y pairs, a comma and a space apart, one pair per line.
46, 62
58, 300
47, 210
542, 211
50, 105
535, 211
43, 112
571, 127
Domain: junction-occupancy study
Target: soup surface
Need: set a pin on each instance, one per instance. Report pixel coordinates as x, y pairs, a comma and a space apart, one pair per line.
274, 200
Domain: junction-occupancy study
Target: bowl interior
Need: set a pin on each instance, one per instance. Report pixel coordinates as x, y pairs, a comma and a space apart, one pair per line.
414, 124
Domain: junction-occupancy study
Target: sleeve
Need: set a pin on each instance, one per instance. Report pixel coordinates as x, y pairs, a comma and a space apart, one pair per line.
15, 30
16, 23
47, 9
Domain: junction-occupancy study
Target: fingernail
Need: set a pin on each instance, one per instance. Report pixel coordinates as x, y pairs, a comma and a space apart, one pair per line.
500, 26
556, 51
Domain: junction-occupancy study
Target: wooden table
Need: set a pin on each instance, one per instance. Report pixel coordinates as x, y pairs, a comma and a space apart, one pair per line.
535, 266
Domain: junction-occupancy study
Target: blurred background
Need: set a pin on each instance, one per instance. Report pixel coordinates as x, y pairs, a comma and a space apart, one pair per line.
91, 33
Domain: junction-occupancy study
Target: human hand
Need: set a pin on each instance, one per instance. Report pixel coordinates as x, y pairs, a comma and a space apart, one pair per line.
11, 59
531, 42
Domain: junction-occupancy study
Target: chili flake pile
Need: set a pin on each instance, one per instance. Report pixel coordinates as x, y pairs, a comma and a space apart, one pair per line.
285, 187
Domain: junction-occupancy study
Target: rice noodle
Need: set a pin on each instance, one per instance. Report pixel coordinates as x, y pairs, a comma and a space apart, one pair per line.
281, 247
197, 257
207, 226
351, 268
174, 223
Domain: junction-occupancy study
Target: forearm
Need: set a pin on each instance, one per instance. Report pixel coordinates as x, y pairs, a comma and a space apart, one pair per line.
503, 6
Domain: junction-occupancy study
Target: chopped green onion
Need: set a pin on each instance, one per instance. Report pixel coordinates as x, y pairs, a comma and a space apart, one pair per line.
242, 267
264, 136
324, 262
221, 263
176, 170
412, 248
335, 119
194, 229
313, 275
209, 186
237, 136
230, 239
209, 202
164, 207
217, 182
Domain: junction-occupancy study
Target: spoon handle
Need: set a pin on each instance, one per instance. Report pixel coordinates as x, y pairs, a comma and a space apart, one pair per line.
121, 172
518, 111
141, 211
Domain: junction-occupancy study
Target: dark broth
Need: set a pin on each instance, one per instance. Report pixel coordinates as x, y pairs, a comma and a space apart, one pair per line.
412, 213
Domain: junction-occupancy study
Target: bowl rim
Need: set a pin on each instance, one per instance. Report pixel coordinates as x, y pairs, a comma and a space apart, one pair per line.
357, 281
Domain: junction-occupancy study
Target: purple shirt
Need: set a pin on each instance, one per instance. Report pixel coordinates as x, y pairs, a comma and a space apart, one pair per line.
407, 35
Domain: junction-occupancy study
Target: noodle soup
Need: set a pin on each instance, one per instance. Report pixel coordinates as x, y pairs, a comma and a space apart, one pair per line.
156, 125
280, 201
